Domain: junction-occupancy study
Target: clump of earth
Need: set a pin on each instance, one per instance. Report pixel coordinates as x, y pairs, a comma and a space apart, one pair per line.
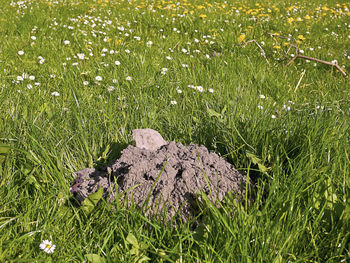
162, 176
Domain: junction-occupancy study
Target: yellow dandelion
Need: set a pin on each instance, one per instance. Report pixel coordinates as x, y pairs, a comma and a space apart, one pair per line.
202, 16
301, 37
307, 17
241, 38
277, 47
290, 20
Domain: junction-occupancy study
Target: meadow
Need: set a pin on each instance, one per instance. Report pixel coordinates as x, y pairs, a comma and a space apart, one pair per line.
77, 77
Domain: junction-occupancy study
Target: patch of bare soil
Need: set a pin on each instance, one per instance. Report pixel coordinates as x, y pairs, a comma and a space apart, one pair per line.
166, 174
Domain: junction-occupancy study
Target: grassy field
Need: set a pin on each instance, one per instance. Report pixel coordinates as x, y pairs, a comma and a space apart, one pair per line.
78, 76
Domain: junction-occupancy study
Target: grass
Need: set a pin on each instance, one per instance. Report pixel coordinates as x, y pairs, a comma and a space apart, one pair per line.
293, 143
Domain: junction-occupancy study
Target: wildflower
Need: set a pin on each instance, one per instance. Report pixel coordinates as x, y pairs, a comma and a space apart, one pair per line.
273, 116
179, 91
128, 78
114, 80
200, 88
32, 77
21, 52
210, 90
149, 43
29, 86
98, 78
110, 88
168, 57
241, 38
277, 47
173, 102
33, 37
81, 55
260, 107
85, 83
202, 16
301, 37
262, 96
66, 42
117, 63
55, 94
127, 51
47, 246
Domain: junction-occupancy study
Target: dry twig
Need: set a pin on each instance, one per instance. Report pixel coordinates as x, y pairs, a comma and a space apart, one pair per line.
256, 43
297, 55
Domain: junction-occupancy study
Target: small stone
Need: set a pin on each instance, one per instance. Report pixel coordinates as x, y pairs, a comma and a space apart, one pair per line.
148, 139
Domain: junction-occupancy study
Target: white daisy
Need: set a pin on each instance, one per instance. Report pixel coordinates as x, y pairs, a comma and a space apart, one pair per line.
47, 246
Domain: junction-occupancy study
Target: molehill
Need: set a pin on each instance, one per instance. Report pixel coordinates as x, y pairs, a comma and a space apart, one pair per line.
166, 175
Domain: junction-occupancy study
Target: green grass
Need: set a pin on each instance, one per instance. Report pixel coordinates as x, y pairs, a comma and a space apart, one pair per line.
299, 160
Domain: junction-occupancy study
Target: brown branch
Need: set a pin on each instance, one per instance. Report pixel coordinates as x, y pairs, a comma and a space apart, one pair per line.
261, 49
334, 64
297, 55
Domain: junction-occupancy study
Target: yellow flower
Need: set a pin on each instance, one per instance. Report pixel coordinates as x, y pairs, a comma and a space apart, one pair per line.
290, 20
241, 38
307, 17
202, 16
301, 37
277, 47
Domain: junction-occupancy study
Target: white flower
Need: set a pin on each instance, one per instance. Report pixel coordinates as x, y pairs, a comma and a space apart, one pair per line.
21, 52
110, 88
262, 96
184, 65
85, 83
127, 51
66, 42
19, 78
128, 78
114, 80
273, 116
32, 77
168, 57
149, 43
117, 62
211, 90
260, 107
81, 55
33, 37
29, 86
173, 102
47, 246
98, 78
179, 91
200, 88
55, 94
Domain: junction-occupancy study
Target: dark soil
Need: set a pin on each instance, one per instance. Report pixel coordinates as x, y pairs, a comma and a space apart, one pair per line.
186, 171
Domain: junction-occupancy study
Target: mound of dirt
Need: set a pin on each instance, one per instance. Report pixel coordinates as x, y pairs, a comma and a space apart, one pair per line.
166, 174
